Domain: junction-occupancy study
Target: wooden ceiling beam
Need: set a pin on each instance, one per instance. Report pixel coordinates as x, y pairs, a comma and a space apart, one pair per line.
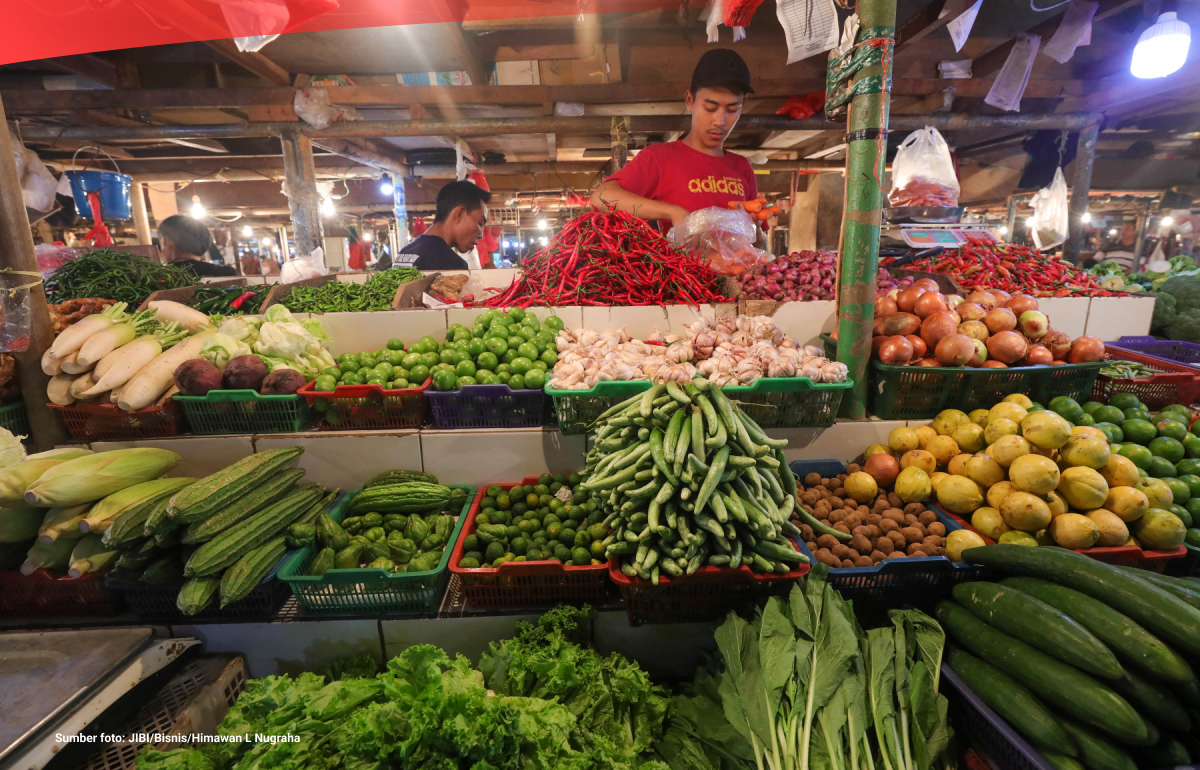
252, 61
87, 65
928, 20
107, 119
55, 102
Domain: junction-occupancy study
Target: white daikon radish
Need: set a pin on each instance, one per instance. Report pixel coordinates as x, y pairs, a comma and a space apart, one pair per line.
159, 375
115, 394
189, 318
165, 397
104, 364
106, 341
82, 384
130, 359
58, 390
73, 337
70, 364
51, 364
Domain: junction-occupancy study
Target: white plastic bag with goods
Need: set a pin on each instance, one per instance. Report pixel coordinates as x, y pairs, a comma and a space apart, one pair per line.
923, 173
1051, 222
312, 105
304, 266
37, 183
724, 238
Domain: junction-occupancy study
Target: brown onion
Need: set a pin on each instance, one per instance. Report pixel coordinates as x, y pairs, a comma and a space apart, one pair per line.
1007, 346
919, 346
1000, 319
1056, 362
907, 299
1086, 349
980, 354
883, 468
1034, 324
927, 362
937, 326
1037, 355
976, 330
877, 343
928, 284
929, 303
969, 311
954, 350
885, 306
992, 363
1000, 295
1020, 303
1057, 342
900, 323
954, 300
982, 298
895, 351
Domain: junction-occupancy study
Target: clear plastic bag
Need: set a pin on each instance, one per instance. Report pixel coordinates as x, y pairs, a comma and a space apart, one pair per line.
1050, 222
312, 105
37, 183
923, 173
14, 308
722, 237
303, 267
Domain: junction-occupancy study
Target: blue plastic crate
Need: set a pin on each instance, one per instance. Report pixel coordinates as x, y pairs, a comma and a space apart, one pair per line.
911, 580
1187, 353
487, 406
985, 730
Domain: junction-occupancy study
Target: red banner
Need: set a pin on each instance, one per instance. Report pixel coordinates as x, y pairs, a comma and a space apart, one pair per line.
39, 29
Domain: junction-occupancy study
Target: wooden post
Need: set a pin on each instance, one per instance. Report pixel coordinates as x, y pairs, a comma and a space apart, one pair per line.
303, 198
866, 129
141, 220
16, 253
1081, 185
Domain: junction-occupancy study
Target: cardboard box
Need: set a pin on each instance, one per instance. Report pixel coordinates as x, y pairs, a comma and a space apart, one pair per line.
518, 73
602, 66
184, 296
408, 295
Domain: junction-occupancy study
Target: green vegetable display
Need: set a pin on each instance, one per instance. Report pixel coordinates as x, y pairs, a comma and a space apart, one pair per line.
218, 299
803, 687
336, 297
692, 481
115, 275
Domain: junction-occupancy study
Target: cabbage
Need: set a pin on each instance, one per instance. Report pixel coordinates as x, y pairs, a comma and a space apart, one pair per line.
220, 348
243, 328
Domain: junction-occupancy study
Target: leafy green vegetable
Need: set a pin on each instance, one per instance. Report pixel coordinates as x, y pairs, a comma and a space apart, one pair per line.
1108, 267
179, 759
1165, 306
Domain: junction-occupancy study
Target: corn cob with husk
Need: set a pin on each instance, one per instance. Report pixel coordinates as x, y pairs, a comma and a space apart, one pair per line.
131, 500
63, 522
54, 555
15, 479
19, 525
86, 479
91, 555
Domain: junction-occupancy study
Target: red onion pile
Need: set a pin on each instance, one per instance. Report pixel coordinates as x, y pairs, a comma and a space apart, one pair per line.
885, 282
802, 276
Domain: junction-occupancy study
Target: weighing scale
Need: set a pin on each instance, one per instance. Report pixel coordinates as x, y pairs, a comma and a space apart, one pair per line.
912, 241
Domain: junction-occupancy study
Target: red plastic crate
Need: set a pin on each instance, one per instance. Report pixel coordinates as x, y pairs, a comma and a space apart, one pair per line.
707, 594
369, 406
44, 593
1118, 556
108, 422
528, 583
1178, 384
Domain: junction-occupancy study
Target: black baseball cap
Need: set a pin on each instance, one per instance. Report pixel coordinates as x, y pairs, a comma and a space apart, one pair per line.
721, 67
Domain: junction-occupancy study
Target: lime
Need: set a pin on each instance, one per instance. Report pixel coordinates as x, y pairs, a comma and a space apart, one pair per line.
460, 335
1192, 481
1139, 431
1091, 407
550, 357
443, 380
555, 323
1191, 445
369, 359
346, 359
351, 378
331, 371
1140, 413
540, 364
1115, 447
514, 341
1172, 429
1161, 468
395, 357
411, 360
324, 382
478, 330
535, 378
449, 356
476, 346
1109, 414
1066, 407
527, 350
517, 382
1180, 491
486, 377
510, 355
1138, 454
1166, 447
503, 377
401, 384
521, 365
376, 380
1114, 432
502, 367
462, 382
516, 313
465, 368
1193, 507
1124, 400
1086, 420
1168, 414
497, 345
418, 373
426, 344
1182, 512
1188, 467
384, 368
1182, 410
1196, 427
430, 359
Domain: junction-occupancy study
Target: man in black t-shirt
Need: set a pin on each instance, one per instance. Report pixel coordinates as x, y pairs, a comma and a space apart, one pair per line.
183, 242
461, 215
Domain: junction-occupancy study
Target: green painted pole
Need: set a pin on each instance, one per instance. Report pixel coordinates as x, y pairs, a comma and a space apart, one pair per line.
859, 252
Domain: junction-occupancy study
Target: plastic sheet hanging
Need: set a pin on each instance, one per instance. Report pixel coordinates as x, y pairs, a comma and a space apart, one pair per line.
312, 105
872, 47
15, 286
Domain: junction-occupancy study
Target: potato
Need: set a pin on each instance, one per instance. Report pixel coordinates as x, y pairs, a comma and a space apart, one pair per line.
825, 542
840, 493
934, 541
832, 484
885, 545
841, 527
825, 557
897, 538
812, 546
910, 519
853, 468
847, 563
915, 509
877, 556
841, 550
927, 517
897, 555
864, 561
806, 532
912, 535
936, 528
812, 479
861, 529
914, 549
888, 525
860, 543
875, 518
837, 516
875, 531
894, 500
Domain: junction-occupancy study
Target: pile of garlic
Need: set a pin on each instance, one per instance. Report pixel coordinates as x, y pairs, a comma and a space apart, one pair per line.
727, 351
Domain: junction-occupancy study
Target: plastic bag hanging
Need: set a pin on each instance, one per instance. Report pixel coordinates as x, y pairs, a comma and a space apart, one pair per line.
15, 312
1051, 222
923, 173
312, 105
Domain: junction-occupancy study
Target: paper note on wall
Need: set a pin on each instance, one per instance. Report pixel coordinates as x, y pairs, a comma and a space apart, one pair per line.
1075, 27
1014, 75
960, 27
810, 26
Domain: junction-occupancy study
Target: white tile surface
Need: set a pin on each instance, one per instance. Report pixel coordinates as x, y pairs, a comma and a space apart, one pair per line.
485, 456
356, 332
469, 636
1111, 318
347, 460
202, 455
1068, 315
288, 648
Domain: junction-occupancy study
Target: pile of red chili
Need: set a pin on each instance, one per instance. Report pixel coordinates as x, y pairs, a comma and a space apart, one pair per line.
610, 258
1013, 268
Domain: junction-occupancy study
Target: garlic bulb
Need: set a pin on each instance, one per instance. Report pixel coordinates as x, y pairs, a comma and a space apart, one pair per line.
701, 324
788, 342
810, 370
813, 350
727, 324
656, 337
748, 371
721, 380
703, 345
741, 339
834, 371
707, 366
744, 323
781, 367
680, 352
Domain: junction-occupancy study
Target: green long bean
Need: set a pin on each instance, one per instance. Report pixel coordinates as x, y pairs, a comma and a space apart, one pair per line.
115, 275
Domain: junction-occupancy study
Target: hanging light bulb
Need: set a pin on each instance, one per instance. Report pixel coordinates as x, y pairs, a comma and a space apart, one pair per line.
197, 208
1112, 231
1003, 230
327, 207
1162, 49
247, 231
1087, 218
367, 236
1167, 221
385, 185
543, 224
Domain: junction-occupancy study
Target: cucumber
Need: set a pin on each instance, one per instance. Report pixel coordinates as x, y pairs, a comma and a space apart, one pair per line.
1065, 688
1059, 762
1132, 643
1153, 700
1161, 612
1167, 753
1033, 621
1095, 752
1019, 707
1189, 593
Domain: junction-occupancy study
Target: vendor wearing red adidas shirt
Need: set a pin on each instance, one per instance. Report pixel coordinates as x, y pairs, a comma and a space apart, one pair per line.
669, 180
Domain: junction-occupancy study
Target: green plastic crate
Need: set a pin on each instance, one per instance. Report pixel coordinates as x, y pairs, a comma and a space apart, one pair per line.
15, 419
772, 402
370, 591
245, 411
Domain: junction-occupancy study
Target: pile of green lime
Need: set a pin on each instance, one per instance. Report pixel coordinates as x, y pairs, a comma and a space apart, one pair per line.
373, 367
509, 347
552, 520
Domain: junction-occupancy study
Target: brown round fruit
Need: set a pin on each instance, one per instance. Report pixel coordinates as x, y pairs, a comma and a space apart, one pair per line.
929, 303
1007, 346
907, 298
954, 350
883, 468
1000, 319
